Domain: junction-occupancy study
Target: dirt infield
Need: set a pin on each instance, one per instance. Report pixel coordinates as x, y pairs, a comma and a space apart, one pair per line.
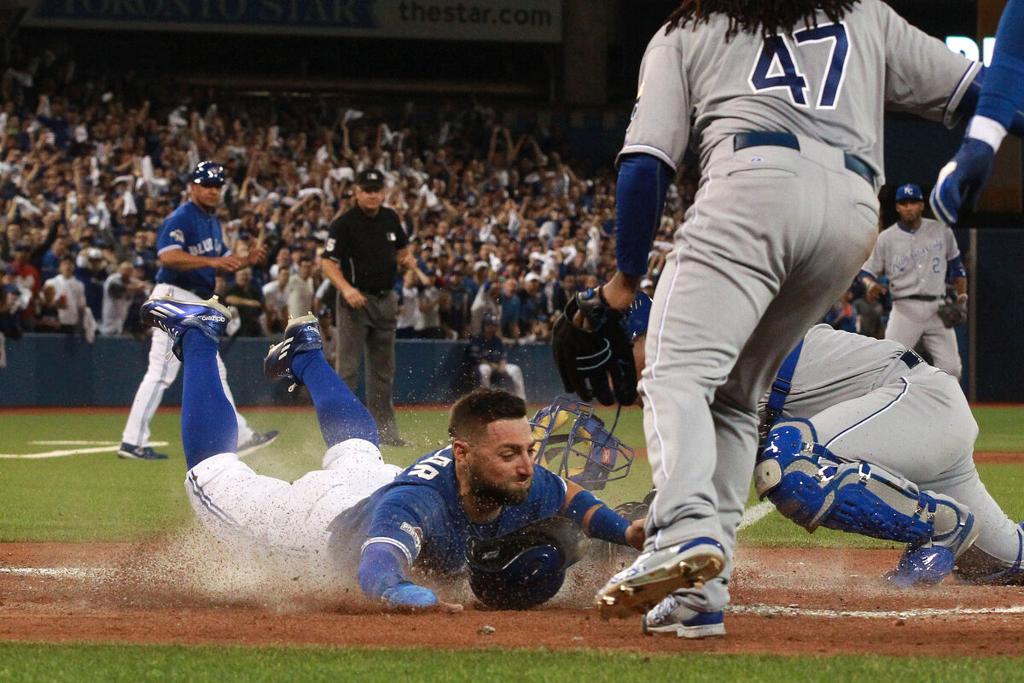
785, 601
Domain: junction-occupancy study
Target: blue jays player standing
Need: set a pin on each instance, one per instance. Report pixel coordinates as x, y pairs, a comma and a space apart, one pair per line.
1001, 99
191, 253
919, 256
789, 99
358, 515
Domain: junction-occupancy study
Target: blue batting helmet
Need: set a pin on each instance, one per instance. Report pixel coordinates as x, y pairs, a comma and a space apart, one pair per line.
524, 568
209, 174
575, 444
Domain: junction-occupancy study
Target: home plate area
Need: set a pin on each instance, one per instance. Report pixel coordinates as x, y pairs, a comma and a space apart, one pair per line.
785, 601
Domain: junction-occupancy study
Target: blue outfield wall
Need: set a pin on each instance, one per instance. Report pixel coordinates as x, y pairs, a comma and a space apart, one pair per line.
56, 370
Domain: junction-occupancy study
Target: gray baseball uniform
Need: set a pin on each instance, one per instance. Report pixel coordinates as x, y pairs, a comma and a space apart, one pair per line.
915, 263
866, 404
790, 132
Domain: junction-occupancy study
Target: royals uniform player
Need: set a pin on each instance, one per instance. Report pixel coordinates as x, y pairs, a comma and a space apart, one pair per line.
191, 251
918, 255
790, 136
359, 516
870, 415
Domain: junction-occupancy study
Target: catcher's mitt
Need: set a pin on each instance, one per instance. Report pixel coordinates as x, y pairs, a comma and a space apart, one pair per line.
953, 312
586, 358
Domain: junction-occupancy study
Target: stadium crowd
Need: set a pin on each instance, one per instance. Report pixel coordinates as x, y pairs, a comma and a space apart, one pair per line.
501, 222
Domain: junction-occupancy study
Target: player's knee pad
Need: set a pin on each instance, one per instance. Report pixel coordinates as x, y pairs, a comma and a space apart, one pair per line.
812, 487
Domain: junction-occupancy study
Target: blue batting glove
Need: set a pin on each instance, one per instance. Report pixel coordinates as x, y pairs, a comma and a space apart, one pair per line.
409, 595
961, 181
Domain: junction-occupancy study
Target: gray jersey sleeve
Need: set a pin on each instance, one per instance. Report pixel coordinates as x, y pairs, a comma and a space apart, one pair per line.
660, 124
923, 76
876, 262
952, 250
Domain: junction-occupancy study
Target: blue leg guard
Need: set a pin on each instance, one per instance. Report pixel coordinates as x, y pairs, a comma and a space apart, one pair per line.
811, 486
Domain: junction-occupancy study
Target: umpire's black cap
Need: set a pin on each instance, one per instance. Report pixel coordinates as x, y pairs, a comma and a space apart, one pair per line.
371, 180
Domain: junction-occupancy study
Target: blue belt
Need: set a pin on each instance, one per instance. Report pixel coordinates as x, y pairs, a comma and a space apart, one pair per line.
910, 359
767, 139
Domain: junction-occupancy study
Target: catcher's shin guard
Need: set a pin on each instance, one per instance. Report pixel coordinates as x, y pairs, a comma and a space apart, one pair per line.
812, 487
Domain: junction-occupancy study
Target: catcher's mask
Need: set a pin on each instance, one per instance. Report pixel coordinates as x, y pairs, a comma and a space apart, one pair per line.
525, 568
574, 443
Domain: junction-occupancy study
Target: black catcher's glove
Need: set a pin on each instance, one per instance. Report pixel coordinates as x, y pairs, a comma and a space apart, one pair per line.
952, 312
586, 359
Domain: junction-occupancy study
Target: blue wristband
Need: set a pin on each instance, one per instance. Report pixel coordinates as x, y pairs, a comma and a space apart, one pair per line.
608, 525
605, 523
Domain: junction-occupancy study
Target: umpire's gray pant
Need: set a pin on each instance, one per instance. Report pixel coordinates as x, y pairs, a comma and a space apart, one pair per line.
370, 330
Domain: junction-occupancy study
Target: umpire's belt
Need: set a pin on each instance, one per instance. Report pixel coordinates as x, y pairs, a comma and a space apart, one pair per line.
376, 292
766, 139
918, 297
911, 359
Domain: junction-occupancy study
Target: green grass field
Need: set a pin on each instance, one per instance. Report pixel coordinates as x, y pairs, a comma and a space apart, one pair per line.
226, 664
98, 497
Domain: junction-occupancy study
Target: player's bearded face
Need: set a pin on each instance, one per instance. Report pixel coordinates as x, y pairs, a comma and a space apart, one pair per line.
501, 466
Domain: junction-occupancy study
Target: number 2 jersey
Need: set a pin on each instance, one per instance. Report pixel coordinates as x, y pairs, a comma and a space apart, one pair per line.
830, 83
420, 514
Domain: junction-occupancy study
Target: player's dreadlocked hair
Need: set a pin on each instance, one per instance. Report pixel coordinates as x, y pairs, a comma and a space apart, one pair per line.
749, 16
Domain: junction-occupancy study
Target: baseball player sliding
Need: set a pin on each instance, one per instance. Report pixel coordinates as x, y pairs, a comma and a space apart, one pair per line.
788, 99
919, 256
191, 253
362, 518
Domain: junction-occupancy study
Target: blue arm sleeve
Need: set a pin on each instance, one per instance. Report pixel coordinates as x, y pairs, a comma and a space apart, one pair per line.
1001, 96
639, 198
605, 523
955, 269
383, 566
866, 273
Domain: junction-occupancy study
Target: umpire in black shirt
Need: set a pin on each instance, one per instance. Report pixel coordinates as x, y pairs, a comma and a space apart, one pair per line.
365, 247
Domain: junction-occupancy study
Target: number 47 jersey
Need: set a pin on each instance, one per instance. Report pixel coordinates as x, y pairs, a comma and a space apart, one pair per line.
421, 515
831, 83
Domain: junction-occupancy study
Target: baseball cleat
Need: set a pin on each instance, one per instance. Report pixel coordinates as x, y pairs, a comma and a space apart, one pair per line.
927, 565
656, 573
174, 317
257, 441
302, 334
130, 452
671, 616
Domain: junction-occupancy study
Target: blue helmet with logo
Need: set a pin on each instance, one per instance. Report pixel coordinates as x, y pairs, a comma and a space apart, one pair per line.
524, 568
209, 174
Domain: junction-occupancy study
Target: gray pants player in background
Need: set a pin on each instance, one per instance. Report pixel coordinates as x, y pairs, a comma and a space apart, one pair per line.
789, 99
870, 439
919, 256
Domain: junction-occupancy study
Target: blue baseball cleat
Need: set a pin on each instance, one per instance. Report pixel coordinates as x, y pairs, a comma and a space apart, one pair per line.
671, 616
302, 334
930, 563
174, 317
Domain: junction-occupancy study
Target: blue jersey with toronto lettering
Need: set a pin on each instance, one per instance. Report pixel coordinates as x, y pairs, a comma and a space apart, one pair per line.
197, 232
420, 514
